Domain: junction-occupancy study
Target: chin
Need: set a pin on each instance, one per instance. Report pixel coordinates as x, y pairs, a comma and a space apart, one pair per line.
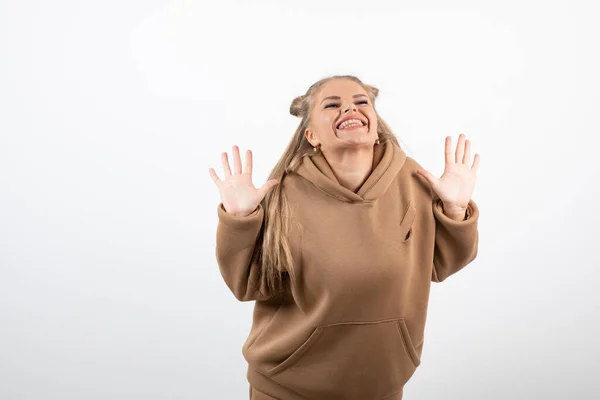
357, 142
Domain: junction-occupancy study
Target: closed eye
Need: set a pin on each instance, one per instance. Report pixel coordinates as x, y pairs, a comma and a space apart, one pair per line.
337, 105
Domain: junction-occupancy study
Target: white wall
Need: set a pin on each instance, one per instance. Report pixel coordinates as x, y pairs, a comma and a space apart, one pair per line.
112, 112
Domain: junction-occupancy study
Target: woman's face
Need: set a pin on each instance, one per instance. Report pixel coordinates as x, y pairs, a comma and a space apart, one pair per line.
336, 101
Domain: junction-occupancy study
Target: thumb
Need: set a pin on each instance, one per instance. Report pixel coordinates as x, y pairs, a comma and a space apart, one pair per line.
270, 184
427, 175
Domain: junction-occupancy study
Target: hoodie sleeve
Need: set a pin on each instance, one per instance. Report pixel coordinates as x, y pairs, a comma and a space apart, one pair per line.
236, 244
456, 242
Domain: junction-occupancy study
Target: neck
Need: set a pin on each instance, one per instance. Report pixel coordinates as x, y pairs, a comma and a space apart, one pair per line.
352, 166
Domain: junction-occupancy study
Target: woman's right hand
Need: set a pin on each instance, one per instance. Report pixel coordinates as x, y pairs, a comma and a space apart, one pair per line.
238, 194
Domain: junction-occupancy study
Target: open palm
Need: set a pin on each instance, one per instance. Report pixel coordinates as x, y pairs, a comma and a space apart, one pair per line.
238, 194
456, 184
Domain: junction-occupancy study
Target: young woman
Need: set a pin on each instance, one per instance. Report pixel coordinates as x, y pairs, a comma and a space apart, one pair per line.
339, 247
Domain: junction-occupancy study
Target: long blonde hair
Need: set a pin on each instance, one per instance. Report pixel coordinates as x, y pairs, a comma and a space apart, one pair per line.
274, 254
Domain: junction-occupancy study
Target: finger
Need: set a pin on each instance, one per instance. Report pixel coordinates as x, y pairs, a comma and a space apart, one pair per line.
467, 156
267, 187
448, 150
214, 176
460, 148
237, 161
248, 167
225, 162
475, 166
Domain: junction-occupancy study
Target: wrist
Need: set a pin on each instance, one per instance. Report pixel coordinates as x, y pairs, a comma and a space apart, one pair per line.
455, 212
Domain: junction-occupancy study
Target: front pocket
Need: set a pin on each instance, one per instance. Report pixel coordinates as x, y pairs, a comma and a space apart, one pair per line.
350, 360
407, 221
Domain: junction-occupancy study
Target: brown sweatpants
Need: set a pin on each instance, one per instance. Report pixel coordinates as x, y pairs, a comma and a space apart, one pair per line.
261, 381
257, 395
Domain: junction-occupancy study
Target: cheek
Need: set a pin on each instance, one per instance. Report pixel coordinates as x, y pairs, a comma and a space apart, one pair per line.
372, 121
326, 122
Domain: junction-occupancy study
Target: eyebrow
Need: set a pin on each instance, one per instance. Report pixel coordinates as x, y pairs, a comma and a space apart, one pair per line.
338, 97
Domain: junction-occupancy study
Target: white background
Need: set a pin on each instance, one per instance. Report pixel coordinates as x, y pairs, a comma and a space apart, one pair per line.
112, 112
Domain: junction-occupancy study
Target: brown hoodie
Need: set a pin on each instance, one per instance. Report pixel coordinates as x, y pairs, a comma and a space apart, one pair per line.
351, 325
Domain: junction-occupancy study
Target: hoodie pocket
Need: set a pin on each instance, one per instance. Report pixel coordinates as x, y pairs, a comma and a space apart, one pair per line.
350, 360
407, 222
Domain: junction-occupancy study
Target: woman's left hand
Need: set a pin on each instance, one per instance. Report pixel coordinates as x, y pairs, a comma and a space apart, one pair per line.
456, 184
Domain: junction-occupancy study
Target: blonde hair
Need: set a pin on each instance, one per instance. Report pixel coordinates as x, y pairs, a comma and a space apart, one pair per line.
274, 255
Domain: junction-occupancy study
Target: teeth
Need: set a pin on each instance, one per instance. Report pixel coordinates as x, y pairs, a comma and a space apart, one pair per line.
350, 122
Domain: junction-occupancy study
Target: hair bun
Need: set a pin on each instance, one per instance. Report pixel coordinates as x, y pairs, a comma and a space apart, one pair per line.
296, 107
373, 90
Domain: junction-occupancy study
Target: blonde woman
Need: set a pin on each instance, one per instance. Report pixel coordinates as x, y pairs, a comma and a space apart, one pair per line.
339, 247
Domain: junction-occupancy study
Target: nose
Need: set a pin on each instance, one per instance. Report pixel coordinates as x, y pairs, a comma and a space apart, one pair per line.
349, 107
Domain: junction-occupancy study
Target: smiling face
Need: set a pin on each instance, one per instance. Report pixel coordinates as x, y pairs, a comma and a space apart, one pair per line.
337, 101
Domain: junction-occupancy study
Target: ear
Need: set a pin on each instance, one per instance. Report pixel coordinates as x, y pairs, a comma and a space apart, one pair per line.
310, 137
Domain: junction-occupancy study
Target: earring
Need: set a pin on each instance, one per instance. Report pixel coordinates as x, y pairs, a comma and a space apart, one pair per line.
317, 147
377, 141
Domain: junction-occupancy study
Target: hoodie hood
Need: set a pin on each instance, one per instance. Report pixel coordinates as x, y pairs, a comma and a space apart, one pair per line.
388, 159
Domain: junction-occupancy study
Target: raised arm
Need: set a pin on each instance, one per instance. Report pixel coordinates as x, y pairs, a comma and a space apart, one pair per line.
238, 242
456, 241
456, 215
240, 224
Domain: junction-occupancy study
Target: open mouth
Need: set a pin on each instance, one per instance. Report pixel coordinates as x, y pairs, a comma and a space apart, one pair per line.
351, 124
